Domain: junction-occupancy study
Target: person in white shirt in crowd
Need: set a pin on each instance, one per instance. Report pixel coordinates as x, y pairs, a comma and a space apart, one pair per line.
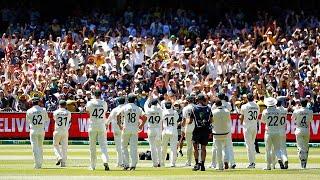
112, 118
37, 118
249, 116
138, 57
131, 114
302, 118
273, 132
169, 133
97, 109
62, 118
154, 122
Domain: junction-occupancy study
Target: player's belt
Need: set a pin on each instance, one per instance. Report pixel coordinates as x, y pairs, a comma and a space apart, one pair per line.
220, 134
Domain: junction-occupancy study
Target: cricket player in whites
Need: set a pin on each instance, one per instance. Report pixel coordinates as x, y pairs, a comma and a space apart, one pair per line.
283, 143
116, 130
97, 129
154, 121
188, 128
169, 133
62, 118
273, 131
37, 118
302, 118
131, 124
249, 116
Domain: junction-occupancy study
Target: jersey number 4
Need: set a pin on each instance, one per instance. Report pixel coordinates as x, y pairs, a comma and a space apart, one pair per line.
303, 122
37, 119
273, 121
98, 113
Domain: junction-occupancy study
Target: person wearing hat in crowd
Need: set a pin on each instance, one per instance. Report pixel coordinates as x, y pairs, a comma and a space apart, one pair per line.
37, 117
201, 116
187, 129
170, 119
131, 114
97, 109
154, 122
62, 118
220, 130
302, 118
249, 116
112, 118
272, 118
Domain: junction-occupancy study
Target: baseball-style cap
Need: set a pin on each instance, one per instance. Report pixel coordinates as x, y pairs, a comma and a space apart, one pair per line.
201, 97
62, 102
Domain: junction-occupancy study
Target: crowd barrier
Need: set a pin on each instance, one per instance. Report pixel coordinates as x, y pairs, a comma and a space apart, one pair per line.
15, 126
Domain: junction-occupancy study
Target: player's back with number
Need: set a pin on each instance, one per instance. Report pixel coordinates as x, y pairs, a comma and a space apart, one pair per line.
62, 118
170, 121
154, 116
250, 112
273, 119
302, 118
131, 115
97, 109
37, 116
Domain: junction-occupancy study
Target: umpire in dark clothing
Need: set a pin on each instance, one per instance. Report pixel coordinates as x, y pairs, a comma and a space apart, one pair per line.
202, 116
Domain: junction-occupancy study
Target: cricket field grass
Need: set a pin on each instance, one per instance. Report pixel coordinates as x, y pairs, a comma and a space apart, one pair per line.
16, 162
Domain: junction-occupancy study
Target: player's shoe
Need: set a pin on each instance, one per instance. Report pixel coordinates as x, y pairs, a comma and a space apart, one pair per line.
180, 152
252, 166
37, 167
58, 162
172, 165
132, 168
92, 168
303, 164
188, 164
267, 168
286, 165
159, 165
63, 164
196, 167
213, 165
233, 166
106, 166
281, 164
226, 165
202, 168
125, 168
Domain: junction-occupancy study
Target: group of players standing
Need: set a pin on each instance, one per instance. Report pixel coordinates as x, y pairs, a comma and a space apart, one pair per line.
199, 120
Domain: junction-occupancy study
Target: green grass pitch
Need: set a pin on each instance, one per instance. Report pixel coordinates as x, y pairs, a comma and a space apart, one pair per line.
16, 163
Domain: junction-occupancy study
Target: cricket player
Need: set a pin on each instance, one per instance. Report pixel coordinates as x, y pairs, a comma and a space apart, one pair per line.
220, 130
283, 145
116, 130
97, 129
154, 122
188, 128
37, 117
169, 133
302, 118
249, 116
201, 116
62, 118
131, 124
273, 131
228, 151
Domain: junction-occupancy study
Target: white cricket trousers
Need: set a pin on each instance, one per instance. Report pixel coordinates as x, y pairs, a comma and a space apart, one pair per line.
273, 145
188, 137
60, 138
229, 154
154, 138
220, 143
129, 137
283, 147
117, 142
36, 140
95, 135
249, 137
172, 139
303, 145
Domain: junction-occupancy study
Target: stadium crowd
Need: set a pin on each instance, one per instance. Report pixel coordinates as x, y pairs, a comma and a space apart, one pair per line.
168, 53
